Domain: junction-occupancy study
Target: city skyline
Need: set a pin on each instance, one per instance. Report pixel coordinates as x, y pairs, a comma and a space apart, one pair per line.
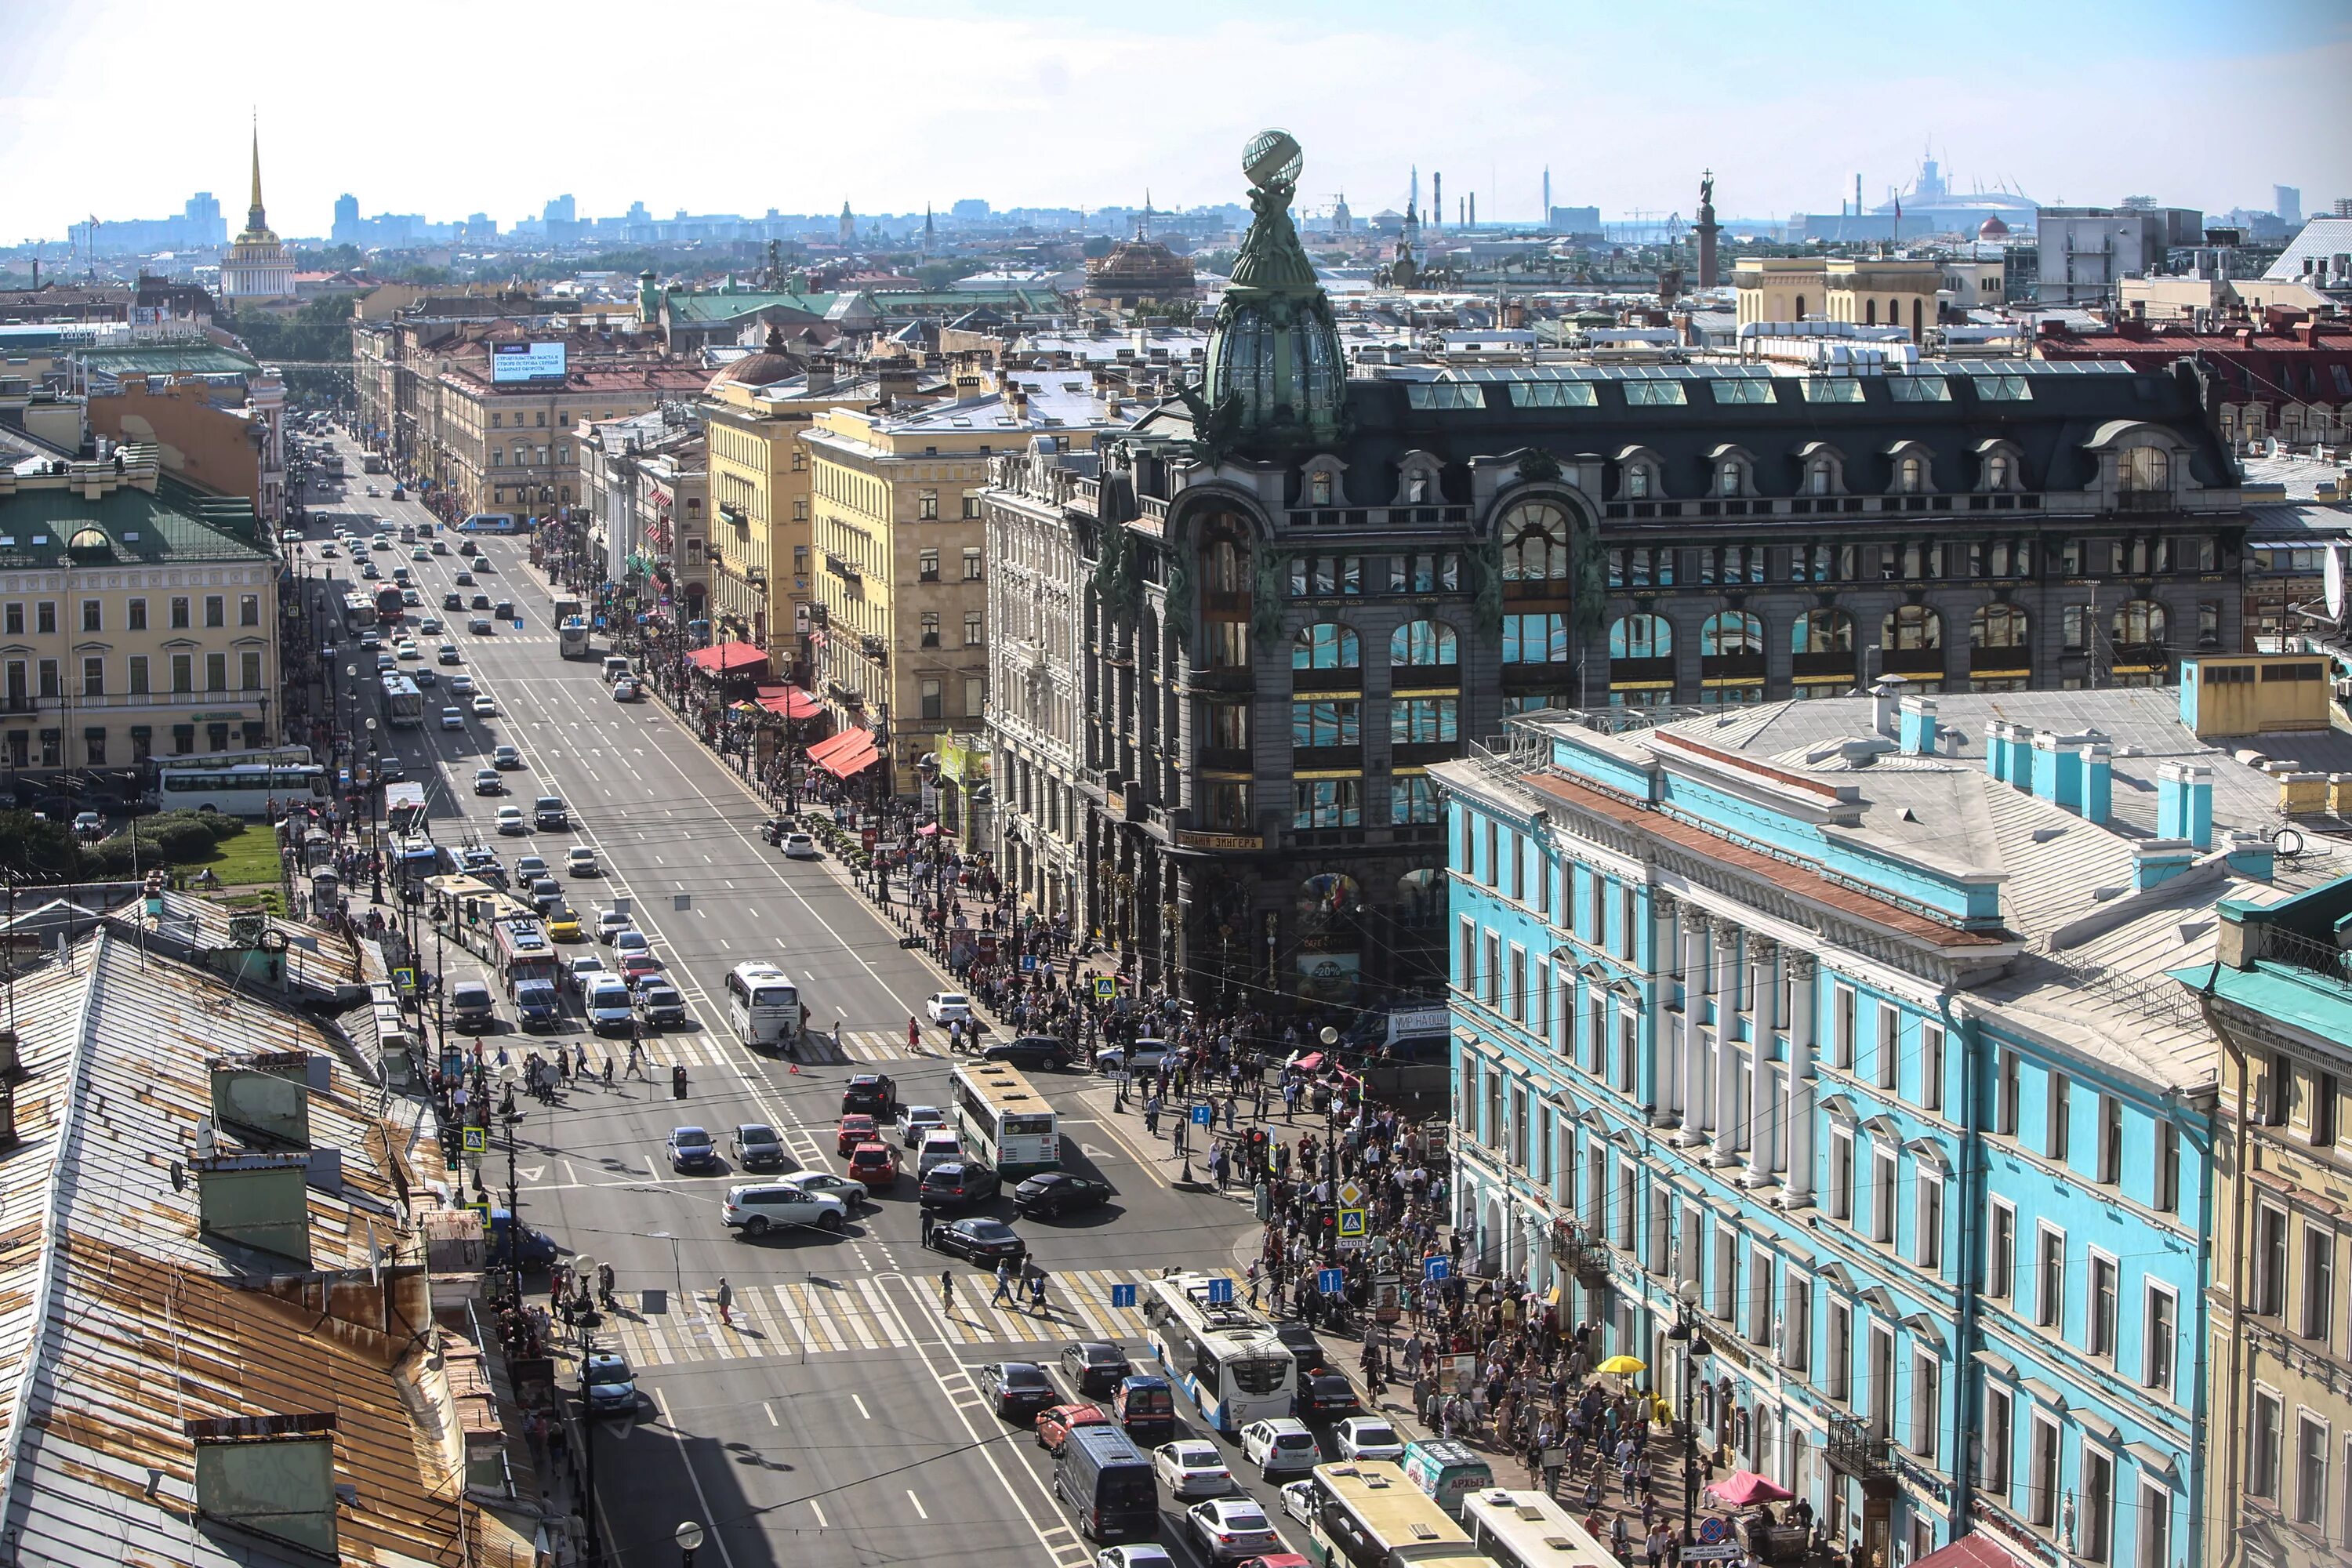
1060, 76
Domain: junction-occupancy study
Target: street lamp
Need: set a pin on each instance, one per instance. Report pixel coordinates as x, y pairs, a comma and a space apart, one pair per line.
689, 1537
1686, 1329
375, 824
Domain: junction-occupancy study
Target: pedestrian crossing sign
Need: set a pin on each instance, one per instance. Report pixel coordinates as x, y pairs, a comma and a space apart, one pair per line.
478, 1139
1106, 988
1331, 1281
1352, 1225
404, 978
1221, 1290
1122, 1295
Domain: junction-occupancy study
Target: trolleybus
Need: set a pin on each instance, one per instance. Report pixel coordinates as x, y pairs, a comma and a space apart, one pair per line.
1366, 1514
1529, 1530
1226, 1358
1002, 1120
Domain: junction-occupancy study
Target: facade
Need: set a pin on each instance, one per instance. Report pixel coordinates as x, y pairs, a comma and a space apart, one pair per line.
2279, 997
138, 618
1835, 1038
2087, 251
2291, 383
508, 448
224, 433
257, 267
395, 356
643, 488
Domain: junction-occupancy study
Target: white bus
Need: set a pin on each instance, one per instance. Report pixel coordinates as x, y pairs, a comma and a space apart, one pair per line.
1529, 1530
240, 783
359, 612
1229, 1360
763, 1004
1367, 1513
403, 704
1002, 1120
490, 523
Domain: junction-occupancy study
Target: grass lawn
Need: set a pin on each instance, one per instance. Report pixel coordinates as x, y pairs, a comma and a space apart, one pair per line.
242, 859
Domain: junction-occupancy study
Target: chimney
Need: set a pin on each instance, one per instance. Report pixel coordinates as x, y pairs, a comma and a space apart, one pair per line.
2250, 854
265, 1099
260, 1201
2156, 860
1997, 751
1884, 696
820, 374
273, 1476
1915, 726
2184, 802
2057, 771
2098, 775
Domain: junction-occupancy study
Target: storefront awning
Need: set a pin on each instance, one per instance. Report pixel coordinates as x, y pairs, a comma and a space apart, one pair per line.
831, 746
855, 757
728, 656
1970, 1551
790, 701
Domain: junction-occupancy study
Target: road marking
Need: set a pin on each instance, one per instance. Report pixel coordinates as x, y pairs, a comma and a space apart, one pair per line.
717, 1538
869, 1415
917, 1502
772, 1413
820, 1514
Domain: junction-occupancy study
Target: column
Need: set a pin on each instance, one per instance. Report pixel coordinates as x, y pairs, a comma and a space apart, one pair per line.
1724, 984
1664, 1043
1800, 1189
1767, 1012
1695, 982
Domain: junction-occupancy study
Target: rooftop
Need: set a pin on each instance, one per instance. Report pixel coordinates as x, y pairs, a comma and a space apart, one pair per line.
96, 514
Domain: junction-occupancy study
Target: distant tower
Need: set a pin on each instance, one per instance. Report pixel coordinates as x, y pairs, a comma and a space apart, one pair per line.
848, 232
930, 235
2287, 202
1342, 220
1143, 224
1708, 275
1471, 222
1547, 206
1412, 192
1437, 200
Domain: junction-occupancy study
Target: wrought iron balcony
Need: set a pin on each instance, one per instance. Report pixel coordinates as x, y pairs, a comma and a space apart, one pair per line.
1858, 1451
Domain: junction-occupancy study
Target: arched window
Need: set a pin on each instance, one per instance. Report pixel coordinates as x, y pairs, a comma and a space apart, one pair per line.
1911, 474
1998, 471
1918, 316
1640, 637
1727, 477
1998, 626
1800, 307
1912, 627
1318, 488
1637, 481
1535, 542
1821, 631
1227, 566
2147, 468
1869, 313
1821, 477
2140, 622
1420, 895
1423, 642
1327, 645
1730, 632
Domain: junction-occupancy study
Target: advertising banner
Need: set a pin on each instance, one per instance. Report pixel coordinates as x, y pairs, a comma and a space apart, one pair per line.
520, 363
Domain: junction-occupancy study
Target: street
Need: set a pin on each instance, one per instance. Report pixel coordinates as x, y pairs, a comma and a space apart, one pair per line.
835, 1421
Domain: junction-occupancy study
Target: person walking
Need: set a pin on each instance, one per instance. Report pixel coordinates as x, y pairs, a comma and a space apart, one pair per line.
1004, 1284
947, 1290
726, 1302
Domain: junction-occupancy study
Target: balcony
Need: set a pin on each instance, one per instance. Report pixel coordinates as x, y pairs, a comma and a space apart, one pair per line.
1574, 1249
1856, 1450
2140, 503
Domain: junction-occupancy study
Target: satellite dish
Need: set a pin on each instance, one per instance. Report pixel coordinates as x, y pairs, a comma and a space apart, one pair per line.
2335, 575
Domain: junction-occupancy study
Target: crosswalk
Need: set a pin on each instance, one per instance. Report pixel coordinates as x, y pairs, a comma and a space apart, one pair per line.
824, 1316
706, 1048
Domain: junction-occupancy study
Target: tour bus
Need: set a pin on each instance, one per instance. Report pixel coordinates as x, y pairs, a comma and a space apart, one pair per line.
1529, 1530
523, 951
240, 783
1225, 1357
1365, 1514
372, 464
763, 1004
490, 523
359, 612
403, 704
1003, 1122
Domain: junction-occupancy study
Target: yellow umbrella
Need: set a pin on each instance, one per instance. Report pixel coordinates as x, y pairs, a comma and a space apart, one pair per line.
1623, 1363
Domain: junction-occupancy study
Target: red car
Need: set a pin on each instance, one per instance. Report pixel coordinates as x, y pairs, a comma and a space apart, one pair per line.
853, 1131
1054, 1423
875, 1165
1275, 1560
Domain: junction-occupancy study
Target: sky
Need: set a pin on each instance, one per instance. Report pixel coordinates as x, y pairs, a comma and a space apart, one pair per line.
122, 109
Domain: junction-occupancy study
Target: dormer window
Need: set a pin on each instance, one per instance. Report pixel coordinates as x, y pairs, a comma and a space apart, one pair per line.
1998, 471
1726, 477
1318, 488
1821, 479
2147, 470
1637, 481
1911, 475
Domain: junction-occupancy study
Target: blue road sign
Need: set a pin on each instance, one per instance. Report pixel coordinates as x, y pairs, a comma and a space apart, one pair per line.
1221, 1290
1204, 1115
1028, 963
1434, 1269
1122, 1295
1331, 1281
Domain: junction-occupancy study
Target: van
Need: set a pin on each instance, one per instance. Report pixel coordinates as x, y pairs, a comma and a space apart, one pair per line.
1447, 1470
608, 1006
535, 1004
1145, 1407
939, 1149
615, 668
469, 1002
1107, 1483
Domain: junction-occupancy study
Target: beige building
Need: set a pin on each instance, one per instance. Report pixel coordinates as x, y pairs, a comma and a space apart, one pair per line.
138, 618
1780, 288
1884, 291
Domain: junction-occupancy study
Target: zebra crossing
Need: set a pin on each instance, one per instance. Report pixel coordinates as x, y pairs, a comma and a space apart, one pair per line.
706, 1048
825, 1316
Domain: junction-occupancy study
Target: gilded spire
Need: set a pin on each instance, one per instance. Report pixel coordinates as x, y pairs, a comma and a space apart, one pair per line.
253, 217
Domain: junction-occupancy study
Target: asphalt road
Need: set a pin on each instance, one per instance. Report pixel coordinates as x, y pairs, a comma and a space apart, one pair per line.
837, 1421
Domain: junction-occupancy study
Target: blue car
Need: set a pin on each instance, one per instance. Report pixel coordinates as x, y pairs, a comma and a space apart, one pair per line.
692, 1149
608, 1386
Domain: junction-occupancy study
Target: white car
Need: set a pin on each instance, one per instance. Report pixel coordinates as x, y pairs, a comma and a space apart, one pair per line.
628, 941
1279, 1444
1232, 1528
1190, 1468
1298, 1501
946, 1007
580, 862
409, 650
510, 819
461, 685
800, 847
915, 1121
1368, 1437
452, 720
1143, 1555
755, 1209
611, 924
849, 1191
484, 708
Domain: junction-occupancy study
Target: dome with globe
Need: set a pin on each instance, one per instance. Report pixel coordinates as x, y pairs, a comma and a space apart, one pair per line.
1274, 366
1273, 158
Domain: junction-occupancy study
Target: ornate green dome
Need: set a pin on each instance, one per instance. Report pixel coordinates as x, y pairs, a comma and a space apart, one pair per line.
1274, 372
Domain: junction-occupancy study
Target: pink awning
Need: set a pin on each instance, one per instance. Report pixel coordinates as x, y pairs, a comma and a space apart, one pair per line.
1743, 1488
790, 701
728, 657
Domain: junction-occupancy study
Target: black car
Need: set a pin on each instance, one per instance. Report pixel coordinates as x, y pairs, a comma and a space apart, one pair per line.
692, 1149
659, 1002
453, 600
1018, 1389
1094, 1367
978, 1240
871, 1092
1304, 1347
958, 1183
756, 1147
1050, 1193
1327, 1395
1030, 1051
478, 602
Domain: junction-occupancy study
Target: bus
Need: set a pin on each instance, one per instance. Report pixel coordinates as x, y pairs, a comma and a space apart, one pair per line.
522, 950
572, 629
490, 523
240, 783
763, 1004
1529, 1530
1366, 1514
403, 704
1226, 1358
372, 464
359, 612
1004, 1123
389, 606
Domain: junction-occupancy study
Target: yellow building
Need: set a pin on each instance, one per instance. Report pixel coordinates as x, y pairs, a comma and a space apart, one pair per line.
1780, 288
1884, 291
899, 647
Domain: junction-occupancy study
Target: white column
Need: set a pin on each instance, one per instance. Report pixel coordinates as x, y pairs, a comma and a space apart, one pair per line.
1767, 1013
1695, 980
1800, 1190
1727, 1044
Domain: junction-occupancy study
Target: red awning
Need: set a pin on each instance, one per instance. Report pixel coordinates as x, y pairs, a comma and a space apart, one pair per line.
727, 657
832, 745
1970, 1551
790, 702
853, 758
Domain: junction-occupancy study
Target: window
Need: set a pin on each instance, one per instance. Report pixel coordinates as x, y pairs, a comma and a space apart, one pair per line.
1993, 1449
2001, 1250
1412, 799
15, 620
1890, 1042
2111, 1140
1926, 1404
1654, 394
1427, 574
2318, 1282
215, 610
971, 629
975, 695
1490, 971
179, 607
1328, 803
2099, 1306
1842, 1174
970, 505
1326, 722
2161, 1323
1882, 1195
1928, 1221
1534, 639
972, 563
248, 665
2263, 1446
2095, 1523
1838, 1382
930, 629
1320, 575
46, 619
1931, 1067
927, 505
137, 611
2050, 1279
1419, 720
2061, 1112
1422, 642
2310, 1469
2270, 1261
1514, 997
2005, 1113
2323, 1092
93, 678
216, 672
1535, 542
249, 609
1843, 1027
139, 675
1324, 645
926, 565
92, 618
1637, 481
2041, 1474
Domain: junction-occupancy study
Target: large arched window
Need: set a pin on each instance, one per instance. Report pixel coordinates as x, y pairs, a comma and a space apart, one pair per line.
2147, 469
1821, 631
1424, 642
1730, 632
1640, 637
2140, 622
1869, 313
1535, 542
1998, 626
1226, 563
1911, 627
1420, 895
1327, 645
1821, 476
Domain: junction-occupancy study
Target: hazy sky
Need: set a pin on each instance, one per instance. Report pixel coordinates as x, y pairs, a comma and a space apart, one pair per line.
121, 109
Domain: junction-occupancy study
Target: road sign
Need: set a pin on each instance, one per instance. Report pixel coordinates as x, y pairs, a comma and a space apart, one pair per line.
1106, 988
1204, 1115
1331, 1281
404, 978
1724, 1552
1122, 1295
1351, 1197
478, 1139
681, 901
1712, 1530
1352, 1225
1221, 1290
1028, 963
1435, 1269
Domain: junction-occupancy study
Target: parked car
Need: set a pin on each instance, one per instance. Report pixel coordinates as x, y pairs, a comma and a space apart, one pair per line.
608, 1386
800, 847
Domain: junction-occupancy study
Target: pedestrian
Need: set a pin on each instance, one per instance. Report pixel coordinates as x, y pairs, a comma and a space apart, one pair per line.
637, 1061
726, 1302
1004, 1284
1037, 1292
608, 1069
947, 1290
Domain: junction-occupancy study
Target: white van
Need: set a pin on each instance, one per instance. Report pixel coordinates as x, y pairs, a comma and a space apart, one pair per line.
607, 1005
615, 668
939, 1149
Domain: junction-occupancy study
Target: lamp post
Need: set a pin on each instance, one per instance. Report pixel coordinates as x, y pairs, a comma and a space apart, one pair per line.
510, 1115
689, 1537
376, 821
1695, 1350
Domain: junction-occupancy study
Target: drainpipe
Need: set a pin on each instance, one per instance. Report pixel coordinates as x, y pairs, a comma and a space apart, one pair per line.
2232, 1475
1957, 1019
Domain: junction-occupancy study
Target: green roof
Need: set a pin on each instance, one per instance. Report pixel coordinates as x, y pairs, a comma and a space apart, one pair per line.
176, 522
168, 358
2299, 998
734, 307
901, 301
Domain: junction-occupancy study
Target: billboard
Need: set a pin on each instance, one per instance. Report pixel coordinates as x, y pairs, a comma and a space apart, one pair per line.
513, 363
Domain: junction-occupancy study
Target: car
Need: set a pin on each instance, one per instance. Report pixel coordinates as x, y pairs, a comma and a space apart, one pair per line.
461, 685
914, 1120
563, 924
530, 869
755, 1147
872, 1092
1366, 1437
408, 649
467, 547
946, 1007
639, 969
535, 1004
978, 1240
478, 602
88, 824
389, 769
368, 570
853, 1130
1056, 1421
484, 708
440, 547
479, 626
1279, 1444
800, 847
549, 811
1326, 1394
371, 642
1298, 1501
629, 940
510, 819
577, 972
755, 1209
503, 610
428, 626
1143, 1056
1049, 1195
1094, 1366
329, 552
1142, 1554
487, 782
1230, 1529
452, 718
876, 1164
1030, 1052
610, 923
692, 1149
608, 1386
1274, 1559
372, 491
530, 1248
423, 675
420, 554
453, 600
625, 691
411, 596
1018, 1389
851, 1193
502, 756
1190, 1468
957, 1183
447, 654
382, 542
1304, 1347
466, 580
546, 895
386, 664
580, 862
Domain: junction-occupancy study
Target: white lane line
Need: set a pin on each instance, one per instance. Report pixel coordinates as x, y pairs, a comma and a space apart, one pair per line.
919, 1509
717, 1538
869, 1415
771, 1409
820, 1515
